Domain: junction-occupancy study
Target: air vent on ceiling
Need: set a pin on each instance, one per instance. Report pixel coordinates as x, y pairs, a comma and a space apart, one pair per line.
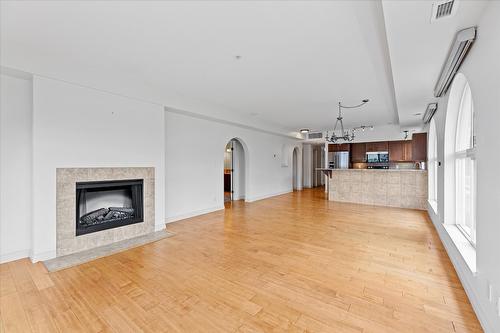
443, 9
318, 135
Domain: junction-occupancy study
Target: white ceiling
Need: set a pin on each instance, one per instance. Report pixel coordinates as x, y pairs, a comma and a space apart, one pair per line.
298, 59
418, 49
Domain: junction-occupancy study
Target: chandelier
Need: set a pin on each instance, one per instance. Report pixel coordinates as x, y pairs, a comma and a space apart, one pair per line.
345, 135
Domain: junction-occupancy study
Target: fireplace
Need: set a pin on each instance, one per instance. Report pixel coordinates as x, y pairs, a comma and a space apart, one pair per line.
102, 205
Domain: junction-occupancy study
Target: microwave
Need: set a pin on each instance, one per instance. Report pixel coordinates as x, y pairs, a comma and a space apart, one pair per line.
377, 157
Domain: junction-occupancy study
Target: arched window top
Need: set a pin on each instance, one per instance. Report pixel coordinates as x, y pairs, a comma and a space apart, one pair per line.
460, 167
464, 138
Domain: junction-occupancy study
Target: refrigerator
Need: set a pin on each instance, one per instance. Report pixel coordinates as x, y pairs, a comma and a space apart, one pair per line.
338, 160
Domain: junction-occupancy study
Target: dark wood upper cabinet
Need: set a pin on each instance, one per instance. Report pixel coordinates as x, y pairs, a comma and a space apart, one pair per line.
345, 147
419, 146
396, 151
377, 146
339, 147
400, 151
358, 152
407, 151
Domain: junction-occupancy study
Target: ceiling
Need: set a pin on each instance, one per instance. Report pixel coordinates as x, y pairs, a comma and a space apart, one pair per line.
418, 49
278, 65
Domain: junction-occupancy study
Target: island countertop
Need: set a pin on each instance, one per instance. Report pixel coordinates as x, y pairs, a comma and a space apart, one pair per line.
405, 188
377, 170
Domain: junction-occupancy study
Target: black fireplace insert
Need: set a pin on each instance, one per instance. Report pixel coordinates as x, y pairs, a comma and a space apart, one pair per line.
108, 204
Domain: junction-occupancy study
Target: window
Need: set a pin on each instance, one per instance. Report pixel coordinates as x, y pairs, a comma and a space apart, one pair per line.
465, 167
432, 165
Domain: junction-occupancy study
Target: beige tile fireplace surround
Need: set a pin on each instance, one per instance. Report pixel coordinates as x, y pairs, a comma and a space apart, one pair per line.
66, 240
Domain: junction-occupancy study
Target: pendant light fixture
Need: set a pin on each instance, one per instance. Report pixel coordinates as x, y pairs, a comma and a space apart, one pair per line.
345, 135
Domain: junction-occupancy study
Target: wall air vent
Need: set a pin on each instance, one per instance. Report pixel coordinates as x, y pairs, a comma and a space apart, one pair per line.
318, 135
429, 112
443, 9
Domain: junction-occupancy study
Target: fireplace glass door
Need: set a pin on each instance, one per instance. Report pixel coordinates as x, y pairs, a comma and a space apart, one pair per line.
108, 204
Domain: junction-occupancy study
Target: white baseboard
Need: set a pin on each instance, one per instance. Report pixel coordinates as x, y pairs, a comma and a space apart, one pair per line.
16, 255
159, 227
193, 214
35, 257
468, 279
265, 196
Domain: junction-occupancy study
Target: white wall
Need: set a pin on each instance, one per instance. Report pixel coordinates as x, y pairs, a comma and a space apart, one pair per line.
67, 125
482, 70
74, 126
15, 167
195, 157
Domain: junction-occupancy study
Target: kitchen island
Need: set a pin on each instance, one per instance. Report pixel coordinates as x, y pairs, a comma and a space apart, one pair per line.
405, 188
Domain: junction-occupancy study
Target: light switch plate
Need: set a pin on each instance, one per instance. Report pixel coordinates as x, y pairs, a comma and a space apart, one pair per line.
498, 307
490, 292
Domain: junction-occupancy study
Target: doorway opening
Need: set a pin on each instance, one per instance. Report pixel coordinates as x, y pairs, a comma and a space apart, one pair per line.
295, 169
234, 171
318, 161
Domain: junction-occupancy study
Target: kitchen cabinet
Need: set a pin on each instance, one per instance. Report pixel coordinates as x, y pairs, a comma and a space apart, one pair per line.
419, 146
400, 151
377, 146
396, 151
407, 151
358, 152
338, 147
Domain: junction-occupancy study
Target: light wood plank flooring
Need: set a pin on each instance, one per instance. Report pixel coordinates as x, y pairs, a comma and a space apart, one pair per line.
293, 263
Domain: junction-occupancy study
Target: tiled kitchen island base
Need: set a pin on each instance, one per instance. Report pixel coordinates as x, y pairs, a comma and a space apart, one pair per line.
392, 187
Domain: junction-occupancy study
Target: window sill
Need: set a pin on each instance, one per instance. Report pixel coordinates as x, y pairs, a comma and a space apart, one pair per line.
463, 246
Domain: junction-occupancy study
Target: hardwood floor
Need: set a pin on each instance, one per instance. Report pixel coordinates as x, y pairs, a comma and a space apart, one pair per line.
293, 263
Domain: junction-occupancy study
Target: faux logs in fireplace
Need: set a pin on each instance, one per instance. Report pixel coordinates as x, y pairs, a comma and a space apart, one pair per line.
104, 205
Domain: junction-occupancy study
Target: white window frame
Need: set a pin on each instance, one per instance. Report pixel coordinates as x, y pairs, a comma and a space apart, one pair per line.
464, 156
432, 163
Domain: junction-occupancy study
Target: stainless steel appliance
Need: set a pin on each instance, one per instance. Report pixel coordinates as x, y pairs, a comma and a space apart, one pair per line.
377, 157
339, 160
378, 166
377, 160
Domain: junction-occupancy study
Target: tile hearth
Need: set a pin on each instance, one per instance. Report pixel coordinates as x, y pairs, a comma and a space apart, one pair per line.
78, 258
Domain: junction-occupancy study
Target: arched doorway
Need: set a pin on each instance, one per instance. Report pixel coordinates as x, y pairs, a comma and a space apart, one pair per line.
295, 167
234, 171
